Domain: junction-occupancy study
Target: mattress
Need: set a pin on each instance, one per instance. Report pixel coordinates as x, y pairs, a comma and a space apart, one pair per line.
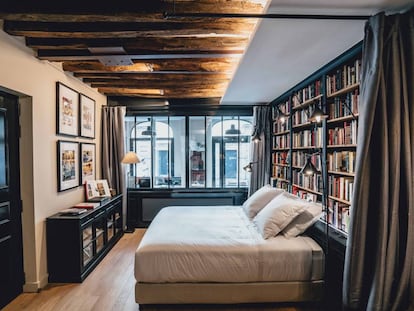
211, 244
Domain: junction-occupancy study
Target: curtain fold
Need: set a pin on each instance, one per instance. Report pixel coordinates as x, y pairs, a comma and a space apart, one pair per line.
378, 272
260, 151
113, 149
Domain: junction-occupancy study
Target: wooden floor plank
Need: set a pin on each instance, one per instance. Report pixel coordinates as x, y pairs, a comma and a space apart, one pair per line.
110, 287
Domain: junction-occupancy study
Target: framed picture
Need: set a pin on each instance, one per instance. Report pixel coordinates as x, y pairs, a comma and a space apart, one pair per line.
67, 110
87, 162
87, 116
68, 164
96, 190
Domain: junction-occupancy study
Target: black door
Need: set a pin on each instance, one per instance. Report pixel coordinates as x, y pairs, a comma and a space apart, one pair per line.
11, 247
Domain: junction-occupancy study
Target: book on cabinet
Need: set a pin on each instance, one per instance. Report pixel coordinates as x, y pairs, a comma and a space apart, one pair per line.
331, 144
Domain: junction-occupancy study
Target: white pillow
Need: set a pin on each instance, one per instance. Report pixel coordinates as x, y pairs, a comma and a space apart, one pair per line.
259, 199
307, 218
277, 214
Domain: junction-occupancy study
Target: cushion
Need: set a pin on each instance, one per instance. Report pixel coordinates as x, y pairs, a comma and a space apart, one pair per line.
259, 199
307, 218
277, 214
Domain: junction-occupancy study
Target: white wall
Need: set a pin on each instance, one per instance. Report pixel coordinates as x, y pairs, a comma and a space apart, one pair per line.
35, 83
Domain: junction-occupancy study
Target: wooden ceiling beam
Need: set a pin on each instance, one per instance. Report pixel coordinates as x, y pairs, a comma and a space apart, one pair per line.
125, 30
176, 93
157, 84
178, 77
140, 43
168, 55
103, 8
157, 65
62, 55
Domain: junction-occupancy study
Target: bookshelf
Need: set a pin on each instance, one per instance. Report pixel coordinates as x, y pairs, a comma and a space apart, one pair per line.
332, 143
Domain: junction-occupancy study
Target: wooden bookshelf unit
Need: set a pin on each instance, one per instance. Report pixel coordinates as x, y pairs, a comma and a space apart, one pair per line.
332, 145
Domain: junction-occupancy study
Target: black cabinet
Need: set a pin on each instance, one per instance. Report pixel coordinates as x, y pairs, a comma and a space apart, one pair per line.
76, 244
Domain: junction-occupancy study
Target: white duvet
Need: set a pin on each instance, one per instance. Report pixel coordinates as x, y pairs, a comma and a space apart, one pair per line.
220, 244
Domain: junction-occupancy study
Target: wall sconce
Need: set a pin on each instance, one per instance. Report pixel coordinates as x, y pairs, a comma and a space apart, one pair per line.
248, 168
256, 137
317, 115
281, 116
309, 169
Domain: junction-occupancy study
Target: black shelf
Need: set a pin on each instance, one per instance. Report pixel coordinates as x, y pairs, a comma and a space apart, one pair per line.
76, 244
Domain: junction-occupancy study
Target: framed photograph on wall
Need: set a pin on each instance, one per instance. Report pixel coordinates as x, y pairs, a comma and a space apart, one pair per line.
87, 116
87, 162
67, 110
67, 164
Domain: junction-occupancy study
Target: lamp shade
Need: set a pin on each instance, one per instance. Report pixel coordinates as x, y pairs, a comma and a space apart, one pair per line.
309, 169
317, 115
256, 137
248, 168
130, 158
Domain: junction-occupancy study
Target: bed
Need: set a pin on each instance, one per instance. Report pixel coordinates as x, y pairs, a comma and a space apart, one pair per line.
216, 254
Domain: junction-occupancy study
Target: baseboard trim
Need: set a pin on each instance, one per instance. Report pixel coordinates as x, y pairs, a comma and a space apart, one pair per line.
35, 287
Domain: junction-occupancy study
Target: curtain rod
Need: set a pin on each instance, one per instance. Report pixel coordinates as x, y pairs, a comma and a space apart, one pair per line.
173, 15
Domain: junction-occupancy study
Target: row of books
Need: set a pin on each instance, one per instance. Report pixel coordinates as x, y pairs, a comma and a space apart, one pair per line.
342, 161
313, 183
308, 196
339, 215
280, 172
281, 141
343, 77
279, 183
341, 187
279, 127
311, 91
301, 116
283, 107
342, 106
343, 135
280, 157
308, 138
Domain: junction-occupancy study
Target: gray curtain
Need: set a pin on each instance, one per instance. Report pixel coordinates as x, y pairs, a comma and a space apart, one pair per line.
378, 271
113, 149
260, 151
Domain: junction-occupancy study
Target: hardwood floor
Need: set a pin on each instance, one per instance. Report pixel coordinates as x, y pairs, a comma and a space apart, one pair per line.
111, 287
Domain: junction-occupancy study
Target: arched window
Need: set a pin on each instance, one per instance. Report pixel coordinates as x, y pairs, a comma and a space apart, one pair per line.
198, 151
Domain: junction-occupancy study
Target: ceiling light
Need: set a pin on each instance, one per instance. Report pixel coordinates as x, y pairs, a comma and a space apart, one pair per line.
232, 130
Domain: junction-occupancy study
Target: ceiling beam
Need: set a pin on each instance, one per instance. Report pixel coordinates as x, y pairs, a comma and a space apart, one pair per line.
157, 65
139, 43
178, 77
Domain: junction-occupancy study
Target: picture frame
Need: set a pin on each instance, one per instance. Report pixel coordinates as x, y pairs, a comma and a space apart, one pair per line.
87, 162
67, 165
67, 110
97, 190
86, 116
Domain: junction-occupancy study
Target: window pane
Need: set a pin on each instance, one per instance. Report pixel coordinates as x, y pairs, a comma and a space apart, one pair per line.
141, 137
246, 129
161, 150
177, 153
214, 156
197, 155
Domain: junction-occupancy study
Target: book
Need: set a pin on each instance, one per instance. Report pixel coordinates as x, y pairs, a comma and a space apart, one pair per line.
87, 205
97, 190
72, 211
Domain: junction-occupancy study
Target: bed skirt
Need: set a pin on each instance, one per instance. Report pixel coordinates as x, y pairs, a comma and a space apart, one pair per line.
228, 293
